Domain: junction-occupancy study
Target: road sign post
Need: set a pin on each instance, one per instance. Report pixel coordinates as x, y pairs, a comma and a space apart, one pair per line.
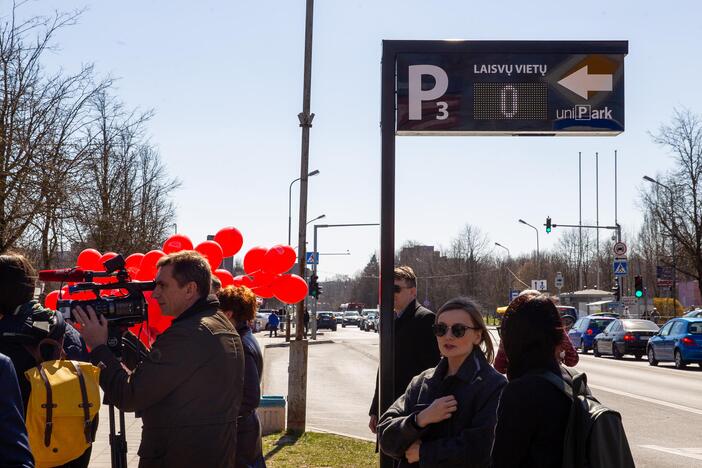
538, 88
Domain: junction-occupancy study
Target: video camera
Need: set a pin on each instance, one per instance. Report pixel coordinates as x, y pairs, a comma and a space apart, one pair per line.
120, 311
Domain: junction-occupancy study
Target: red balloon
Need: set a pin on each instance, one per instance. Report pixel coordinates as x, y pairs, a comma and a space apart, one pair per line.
176, 243
148, 269
89, 259
51, 300
253, 260
133, 263
279, 259
157, 321
230, 239
64, 293
290, 289
263, 291
264, 279
225, 277
212, 251
243, 280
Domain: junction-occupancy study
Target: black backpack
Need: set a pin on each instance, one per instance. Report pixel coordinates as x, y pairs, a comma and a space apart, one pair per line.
595, 436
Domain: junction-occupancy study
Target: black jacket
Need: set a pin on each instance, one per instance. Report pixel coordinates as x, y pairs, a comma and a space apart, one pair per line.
531, 423
464, 440
249, 450
415, 348
188, 390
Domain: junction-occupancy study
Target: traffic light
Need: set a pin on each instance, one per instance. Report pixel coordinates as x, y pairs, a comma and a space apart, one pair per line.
313, 286
616, 290
638, 286
319, 291
548, 225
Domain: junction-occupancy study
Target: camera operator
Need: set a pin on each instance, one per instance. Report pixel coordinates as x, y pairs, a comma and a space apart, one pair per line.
189, 387
24, 323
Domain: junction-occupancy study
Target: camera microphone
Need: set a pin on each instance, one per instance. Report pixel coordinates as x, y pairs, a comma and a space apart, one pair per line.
62, 275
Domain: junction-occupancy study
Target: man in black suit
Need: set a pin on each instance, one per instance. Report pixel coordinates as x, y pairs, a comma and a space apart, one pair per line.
415, 344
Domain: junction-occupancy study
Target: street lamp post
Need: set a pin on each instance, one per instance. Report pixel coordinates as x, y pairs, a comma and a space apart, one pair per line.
510, 280
673, 292
313, 315
313, 173
538, 259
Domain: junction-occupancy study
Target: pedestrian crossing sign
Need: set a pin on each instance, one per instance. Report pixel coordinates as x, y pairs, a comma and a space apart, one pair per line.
620, 266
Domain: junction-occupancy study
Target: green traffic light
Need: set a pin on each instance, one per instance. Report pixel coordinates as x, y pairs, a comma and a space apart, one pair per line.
639, 293
548, 230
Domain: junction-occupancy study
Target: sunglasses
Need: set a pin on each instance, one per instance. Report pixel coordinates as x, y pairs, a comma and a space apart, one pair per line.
457, 329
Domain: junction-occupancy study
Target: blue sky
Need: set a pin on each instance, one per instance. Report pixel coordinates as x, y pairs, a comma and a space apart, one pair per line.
225, 80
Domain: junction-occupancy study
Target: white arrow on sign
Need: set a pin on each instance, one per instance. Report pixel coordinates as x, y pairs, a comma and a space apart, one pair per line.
580, 82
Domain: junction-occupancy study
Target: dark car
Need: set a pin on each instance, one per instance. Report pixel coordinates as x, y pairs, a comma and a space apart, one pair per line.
326, 320
583, 333
625, 336
350, 318
679, 341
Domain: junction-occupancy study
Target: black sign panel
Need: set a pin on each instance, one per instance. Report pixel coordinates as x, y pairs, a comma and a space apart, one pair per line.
510, 87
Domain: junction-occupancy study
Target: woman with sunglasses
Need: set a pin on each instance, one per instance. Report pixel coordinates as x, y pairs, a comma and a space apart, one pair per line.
447, 415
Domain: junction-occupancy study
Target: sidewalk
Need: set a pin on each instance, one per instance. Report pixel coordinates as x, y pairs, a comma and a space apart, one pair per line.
101, 456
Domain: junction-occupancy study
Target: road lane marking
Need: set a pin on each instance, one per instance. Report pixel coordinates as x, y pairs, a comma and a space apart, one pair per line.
647, 399
695, 453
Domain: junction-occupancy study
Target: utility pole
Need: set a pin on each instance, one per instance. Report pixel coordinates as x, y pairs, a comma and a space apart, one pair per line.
297, 366
580, 221
597, 215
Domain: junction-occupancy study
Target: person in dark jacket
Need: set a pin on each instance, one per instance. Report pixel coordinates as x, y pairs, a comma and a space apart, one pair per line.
531, 332
189, 387
415, 344
24, 323
14, 443
239, 305
447, 416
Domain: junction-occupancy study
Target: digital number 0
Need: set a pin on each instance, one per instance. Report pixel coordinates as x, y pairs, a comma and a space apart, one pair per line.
508, 104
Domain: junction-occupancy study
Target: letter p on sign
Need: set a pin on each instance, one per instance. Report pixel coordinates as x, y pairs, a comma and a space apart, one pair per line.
417, 95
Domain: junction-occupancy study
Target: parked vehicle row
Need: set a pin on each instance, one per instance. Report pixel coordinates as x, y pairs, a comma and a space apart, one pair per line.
678, 341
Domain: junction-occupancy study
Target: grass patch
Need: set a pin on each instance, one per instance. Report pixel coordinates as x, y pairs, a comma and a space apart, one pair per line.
317, 450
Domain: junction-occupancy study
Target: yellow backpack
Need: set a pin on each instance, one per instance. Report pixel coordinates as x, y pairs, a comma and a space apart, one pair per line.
62, 410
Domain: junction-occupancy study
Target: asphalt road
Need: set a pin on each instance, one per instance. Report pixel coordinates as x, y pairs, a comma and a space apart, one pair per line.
661, 406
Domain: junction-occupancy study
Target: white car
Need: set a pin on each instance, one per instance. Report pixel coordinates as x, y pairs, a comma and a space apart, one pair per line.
261, 321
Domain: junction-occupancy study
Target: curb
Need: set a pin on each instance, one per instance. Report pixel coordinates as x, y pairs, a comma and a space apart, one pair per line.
343, 434
287, 344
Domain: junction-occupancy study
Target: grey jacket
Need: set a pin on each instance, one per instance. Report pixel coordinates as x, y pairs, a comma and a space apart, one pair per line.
463, 440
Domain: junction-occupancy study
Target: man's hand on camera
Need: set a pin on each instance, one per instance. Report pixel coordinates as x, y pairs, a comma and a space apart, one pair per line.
93, 329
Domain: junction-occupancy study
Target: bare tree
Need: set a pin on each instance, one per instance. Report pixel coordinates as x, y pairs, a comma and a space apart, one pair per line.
674, 204
40, 116
123, 200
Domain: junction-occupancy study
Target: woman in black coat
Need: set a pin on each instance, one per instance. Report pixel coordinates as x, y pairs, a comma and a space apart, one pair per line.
447, 415
533, 413
239, 305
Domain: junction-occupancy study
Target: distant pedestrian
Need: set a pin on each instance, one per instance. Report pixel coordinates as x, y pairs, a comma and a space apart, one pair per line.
306, 320
414, 342
565, 352
533, 413
273, 321
239, 305
447, 414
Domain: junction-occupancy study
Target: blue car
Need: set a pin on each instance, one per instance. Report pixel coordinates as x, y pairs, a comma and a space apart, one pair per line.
679, 341
583, 333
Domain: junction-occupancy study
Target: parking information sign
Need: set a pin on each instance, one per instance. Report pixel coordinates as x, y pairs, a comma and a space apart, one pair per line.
512, 88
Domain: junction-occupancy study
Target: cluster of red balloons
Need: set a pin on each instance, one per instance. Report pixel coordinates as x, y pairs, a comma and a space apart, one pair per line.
264, 269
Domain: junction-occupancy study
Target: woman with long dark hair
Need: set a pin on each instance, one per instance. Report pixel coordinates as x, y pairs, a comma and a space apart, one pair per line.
533, 413
239, 305
447, 415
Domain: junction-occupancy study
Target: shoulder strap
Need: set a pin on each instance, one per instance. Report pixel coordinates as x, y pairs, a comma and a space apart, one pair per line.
558, 382
49, 405
87, 429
